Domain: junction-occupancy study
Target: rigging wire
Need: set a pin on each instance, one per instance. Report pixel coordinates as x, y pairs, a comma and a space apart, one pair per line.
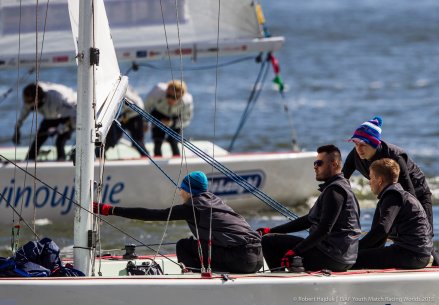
135, 66
253, 97
209, 243
172, 77
20, 80
76, 204
220, 167
15, 231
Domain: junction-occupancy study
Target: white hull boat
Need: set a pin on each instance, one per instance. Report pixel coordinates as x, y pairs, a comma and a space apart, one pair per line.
287, 177
115, 287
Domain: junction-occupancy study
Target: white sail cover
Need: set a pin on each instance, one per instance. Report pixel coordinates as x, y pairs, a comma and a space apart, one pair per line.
109, 85
137, 30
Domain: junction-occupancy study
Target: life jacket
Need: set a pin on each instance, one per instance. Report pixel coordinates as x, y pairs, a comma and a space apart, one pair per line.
341, 244
411, 229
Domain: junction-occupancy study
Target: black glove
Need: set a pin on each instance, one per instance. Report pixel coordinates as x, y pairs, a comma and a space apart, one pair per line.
16, 137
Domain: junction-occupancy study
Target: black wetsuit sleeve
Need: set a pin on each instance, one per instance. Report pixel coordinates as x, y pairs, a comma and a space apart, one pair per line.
349, 165
404, 176
299, 224
179, 212
384, 218
333, 202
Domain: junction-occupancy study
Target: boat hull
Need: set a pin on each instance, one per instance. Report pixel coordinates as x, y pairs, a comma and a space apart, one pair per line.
286, 177
379, 287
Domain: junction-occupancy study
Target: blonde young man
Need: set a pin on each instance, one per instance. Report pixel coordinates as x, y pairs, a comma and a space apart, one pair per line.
171, 104
398, 216
369, 147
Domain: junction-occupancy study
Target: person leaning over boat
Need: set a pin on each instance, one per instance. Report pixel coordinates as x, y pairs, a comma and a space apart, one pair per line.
398, 216
369, 147
171, 104
236, 247
131, 121
333, 223
57, 104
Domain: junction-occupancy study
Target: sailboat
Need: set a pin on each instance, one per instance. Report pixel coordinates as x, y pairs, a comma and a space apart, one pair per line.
115, 286
284, 176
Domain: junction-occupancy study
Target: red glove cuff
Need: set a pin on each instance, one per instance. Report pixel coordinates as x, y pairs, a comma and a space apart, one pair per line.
286, 260
102, 208
263, 231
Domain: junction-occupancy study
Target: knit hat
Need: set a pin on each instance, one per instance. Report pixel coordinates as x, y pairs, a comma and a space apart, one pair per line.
197, 181
369, 132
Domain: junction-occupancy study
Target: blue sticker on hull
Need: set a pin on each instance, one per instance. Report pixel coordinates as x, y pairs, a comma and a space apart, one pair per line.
221, 185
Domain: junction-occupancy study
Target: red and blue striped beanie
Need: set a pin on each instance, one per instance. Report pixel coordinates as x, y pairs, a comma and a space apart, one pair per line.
369, 132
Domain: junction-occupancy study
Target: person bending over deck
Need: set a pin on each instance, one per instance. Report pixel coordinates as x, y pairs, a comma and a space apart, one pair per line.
172, 104
57, 104
398, 216
236, 248
333, 223
369, 147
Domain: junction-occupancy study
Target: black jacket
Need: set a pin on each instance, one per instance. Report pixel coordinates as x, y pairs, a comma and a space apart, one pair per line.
333, 222
399, 216
411, 178
229, 229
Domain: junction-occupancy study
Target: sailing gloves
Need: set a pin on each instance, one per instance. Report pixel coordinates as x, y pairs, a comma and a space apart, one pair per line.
263, 231
287, 259
102, 208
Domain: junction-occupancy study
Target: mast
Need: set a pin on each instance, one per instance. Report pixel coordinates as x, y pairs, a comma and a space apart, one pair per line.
84, 170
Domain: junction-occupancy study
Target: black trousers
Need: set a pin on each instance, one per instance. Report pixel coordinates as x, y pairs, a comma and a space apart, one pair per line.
392, 256
240, 259
274, 247
43, 134
158, 136
135, 128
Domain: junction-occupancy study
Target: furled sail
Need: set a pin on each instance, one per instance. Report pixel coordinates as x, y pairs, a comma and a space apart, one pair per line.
137, 29
109, 85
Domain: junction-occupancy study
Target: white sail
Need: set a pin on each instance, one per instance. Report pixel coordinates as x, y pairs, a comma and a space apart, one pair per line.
137, 30
109, 86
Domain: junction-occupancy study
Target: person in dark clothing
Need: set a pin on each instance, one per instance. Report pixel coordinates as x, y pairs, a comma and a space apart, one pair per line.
398, 216
369, 147
131, 121
333, 223
236, 248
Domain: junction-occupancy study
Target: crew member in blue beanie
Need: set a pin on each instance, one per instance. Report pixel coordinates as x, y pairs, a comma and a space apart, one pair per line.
236, 248
369, 147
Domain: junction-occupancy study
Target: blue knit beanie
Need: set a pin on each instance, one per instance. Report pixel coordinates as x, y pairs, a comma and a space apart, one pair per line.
369, 132
198, 183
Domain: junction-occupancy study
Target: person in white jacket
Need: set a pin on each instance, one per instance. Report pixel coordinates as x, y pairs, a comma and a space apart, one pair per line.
172, 104
57, 104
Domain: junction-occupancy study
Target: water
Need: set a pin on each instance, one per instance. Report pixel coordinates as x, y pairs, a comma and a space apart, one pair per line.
343, 62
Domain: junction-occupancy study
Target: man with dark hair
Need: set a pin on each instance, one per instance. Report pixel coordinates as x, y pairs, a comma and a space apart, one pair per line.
236, 247
369, 147
57, 104
398, 216
333, 223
